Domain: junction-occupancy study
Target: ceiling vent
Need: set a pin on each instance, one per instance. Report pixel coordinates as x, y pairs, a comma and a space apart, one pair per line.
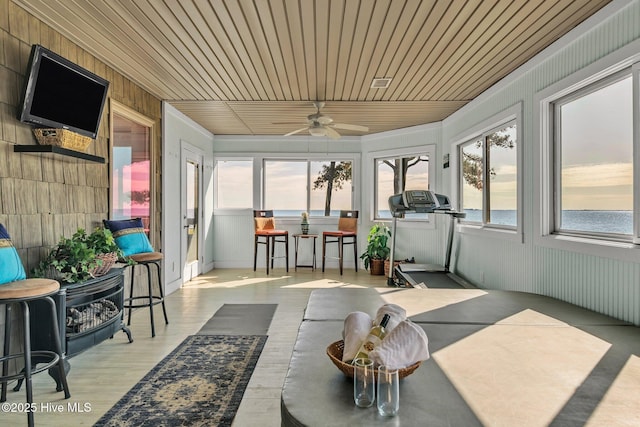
381, 82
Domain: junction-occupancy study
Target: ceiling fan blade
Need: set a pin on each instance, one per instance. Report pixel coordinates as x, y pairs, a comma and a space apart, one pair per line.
296, 131
350, 127
331, 132
299, 122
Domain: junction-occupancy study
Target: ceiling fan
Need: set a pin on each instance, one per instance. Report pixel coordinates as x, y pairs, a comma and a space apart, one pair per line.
319, 124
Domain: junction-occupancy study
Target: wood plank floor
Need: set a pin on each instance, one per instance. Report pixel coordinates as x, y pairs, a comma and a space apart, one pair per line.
100, 376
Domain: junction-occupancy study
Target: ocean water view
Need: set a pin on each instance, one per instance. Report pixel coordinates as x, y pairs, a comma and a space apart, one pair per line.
618, 222
604, 221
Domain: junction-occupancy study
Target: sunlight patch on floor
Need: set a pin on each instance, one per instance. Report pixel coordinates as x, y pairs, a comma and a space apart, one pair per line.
210, 282
512, 366
616, 405
417, 300
322, 284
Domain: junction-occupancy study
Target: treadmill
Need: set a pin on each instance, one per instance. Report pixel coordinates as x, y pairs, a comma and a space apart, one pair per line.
414, 275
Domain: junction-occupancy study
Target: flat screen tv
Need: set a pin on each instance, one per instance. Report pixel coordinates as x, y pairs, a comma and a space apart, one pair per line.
61, 94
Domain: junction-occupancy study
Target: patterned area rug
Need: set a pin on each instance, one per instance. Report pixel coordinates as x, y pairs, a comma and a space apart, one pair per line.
200, 383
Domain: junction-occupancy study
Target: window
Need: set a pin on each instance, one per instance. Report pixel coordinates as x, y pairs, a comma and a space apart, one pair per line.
593, 167
393, 175
489, 177
131, 166
234, 184
322, 188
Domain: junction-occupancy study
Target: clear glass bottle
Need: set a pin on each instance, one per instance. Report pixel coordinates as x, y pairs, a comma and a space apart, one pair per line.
376, 335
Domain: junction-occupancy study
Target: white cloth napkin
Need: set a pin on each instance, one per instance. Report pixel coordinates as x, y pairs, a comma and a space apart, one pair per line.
404, 346
356, 328
397, 314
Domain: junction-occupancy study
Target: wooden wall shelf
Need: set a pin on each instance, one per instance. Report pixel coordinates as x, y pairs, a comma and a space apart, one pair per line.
57, 150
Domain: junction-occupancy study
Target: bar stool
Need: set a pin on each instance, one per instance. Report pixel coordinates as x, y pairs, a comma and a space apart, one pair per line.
15, 289
265, 227
131, 239
22, 292
347, 229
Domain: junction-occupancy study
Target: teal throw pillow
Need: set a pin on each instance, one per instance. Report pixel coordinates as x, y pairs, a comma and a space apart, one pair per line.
129, 235
11, 268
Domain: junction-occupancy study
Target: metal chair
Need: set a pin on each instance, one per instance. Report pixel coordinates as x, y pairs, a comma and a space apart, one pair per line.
347, 229
265, 228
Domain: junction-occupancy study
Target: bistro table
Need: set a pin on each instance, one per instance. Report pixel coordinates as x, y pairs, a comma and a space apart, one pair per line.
297, 237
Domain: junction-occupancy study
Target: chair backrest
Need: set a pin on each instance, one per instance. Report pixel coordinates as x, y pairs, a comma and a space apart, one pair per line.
263, 220
348, 221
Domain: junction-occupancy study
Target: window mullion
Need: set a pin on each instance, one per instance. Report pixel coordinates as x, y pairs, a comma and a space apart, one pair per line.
308, 186
635, 72
486, 198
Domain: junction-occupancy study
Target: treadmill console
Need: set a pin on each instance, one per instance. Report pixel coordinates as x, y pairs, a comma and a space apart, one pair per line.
420, 200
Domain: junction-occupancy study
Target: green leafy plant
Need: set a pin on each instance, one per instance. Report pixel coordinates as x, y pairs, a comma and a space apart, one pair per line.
103, 242
377, 248
75, 259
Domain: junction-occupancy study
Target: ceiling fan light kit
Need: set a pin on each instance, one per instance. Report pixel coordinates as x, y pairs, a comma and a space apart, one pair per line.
317, 131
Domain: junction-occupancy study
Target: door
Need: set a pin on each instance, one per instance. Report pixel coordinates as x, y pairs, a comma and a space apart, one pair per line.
191, 245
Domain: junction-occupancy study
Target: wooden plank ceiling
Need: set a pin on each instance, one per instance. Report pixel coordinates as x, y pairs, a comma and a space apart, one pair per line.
246, 66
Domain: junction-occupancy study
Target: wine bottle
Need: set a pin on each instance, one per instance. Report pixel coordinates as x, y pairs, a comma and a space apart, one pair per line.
376, 334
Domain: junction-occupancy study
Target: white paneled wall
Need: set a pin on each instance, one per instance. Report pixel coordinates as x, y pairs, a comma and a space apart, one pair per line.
603, 283
606, 283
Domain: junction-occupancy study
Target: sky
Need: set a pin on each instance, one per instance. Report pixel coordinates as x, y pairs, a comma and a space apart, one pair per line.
597, 142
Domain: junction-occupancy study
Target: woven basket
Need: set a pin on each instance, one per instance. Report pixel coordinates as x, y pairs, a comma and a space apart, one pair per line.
334, 351
377, 267
107, 262
62, 138
387, 264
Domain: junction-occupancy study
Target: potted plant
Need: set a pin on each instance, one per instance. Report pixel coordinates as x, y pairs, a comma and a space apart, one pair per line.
377, 249
81, 257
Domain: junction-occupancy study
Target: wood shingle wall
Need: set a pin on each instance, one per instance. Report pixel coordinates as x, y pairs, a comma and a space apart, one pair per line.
46, 196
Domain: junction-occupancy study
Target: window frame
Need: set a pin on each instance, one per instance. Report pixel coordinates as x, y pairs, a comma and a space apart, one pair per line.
217, 159
422, 150
376, 159
116, 108
308, 160
626, 57
258, 179
556, 150
511, 115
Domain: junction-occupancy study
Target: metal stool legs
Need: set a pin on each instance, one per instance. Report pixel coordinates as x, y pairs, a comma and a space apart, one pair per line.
57, 357
152, 299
